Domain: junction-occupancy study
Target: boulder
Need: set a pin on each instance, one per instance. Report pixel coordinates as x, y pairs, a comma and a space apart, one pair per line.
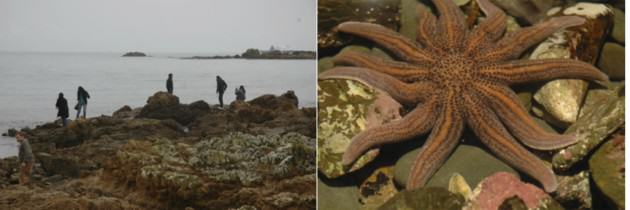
123, 112
163, 105
58, 165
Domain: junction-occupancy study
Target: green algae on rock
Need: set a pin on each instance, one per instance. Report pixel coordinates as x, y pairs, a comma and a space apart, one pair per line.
608, 167
425, 198
470, 162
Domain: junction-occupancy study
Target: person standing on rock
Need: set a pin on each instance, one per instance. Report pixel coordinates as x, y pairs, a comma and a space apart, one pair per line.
82, 98
221, 87
25, 158
240, 93
62, 107
169, 83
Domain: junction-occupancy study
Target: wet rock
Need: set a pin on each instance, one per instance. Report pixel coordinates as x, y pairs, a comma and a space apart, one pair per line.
408, 18
562, 98
336, 196
608, 167
425, 198
331, 13
618, 31
591, 128
530, 10
459, 162
345, 109
574, 192
58, 165
210, 170
612, 61
378, 188
495, 190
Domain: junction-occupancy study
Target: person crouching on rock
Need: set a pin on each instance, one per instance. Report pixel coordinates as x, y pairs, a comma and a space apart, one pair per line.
62, 107
240, 93
25, 158
82, 97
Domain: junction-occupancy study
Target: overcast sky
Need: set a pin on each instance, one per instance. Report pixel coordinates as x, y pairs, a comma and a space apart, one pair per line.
186, 26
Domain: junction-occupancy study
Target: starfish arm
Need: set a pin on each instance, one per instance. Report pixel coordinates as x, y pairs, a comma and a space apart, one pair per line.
513, 45
491, 132
408, 94
403, 47
506, 105
522, 71
451, 22
489, 30
426, 27
402, 71
440, 143
416, 122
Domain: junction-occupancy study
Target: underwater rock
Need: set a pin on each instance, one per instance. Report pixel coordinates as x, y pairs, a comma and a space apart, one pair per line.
378, 188
425, 198
331, 13
608, 167
591, 128
618, 31
575, 191
612, 61
459, 162
494, 190
562, 98
333, 195
346, 108
324, 64
530, 10
409, 18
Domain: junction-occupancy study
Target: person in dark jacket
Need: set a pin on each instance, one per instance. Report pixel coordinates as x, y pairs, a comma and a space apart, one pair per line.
169, 84
62, 107
25, 158
240, 93
221, 87
82, 98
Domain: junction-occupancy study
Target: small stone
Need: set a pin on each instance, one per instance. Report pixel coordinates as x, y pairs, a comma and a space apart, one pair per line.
425, 198
575, 191
612, 61
608, 167
618, 31
471, 162
457, 184
334, 196
530, 10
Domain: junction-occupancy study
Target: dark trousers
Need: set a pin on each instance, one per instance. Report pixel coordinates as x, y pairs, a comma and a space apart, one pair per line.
221, 98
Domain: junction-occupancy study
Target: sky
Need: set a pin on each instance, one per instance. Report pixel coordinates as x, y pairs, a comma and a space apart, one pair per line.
177, 26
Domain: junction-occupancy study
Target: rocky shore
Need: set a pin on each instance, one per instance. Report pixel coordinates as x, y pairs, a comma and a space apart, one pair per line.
258, 154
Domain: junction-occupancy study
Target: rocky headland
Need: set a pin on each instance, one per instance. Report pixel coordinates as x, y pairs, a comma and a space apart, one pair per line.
258, 154
134, 54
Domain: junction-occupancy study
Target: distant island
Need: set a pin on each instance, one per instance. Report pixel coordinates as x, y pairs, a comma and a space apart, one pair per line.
134, 54
264, 54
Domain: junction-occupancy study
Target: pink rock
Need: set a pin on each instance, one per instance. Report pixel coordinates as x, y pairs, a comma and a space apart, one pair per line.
495, 189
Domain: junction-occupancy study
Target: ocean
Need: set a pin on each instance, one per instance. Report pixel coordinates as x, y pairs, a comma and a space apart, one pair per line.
32, 81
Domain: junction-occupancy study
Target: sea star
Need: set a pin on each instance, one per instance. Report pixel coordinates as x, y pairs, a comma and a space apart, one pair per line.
455, 76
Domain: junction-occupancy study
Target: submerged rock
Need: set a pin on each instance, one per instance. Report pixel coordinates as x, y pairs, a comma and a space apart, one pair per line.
378, 188
608, 167
470, 162
618, 31
425, 198
612, 61
574, 192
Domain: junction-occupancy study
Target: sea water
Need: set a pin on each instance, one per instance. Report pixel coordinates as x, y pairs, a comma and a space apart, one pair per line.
31, 83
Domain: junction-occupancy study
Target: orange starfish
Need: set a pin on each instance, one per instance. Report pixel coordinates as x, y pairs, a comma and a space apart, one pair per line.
453, 77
